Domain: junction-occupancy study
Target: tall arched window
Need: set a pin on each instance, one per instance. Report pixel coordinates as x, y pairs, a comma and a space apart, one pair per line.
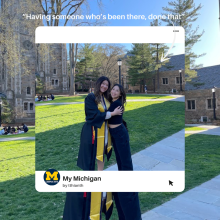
28, 90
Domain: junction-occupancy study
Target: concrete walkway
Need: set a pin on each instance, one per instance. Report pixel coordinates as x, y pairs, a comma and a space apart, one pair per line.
199, 203
167, 154
178, 98
210, 129
17, 139
59, 103
202, 126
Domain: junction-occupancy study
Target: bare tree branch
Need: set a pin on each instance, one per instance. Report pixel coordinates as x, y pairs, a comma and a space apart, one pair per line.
77, 6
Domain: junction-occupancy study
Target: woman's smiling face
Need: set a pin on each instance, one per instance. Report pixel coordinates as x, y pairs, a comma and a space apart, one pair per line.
115, 92
104, 86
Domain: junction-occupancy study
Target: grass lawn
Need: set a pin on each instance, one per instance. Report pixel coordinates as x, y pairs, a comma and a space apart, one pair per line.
188, 128
58, 130
17, 159
30, 133
80, 98
147, 96
22, 201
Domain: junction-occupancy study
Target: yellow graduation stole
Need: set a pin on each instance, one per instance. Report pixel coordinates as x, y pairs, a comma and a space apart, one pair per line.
96, 204
101, 135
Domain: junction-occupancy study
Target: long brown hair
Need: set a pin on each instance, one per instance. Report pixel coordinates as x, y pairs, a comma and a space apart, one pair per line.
121, 98
97, 89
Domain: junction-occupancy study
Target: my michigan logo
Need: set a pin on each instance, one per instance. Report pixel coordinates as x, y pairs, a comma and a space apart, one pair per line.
51, 177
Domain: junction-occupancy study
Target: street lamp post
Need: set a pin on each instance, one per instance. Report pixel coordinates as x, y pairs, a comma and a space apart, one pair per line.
122, 80
213, 92
180, 71
119, 64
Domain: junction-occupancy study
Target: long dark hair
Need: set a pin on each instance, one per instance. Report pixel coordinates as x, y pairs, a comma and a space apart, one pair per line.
122, 96
97, 89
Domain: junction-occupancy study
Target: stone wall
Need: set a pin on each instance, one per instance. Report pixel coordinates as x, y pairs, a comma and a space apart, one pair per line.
201, 105
15, 85
53, 72
172, 83
163, 88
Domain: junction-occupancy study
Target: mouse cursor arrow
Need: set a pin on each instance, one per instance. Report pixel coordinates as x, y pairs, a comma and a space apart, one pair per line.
170, 183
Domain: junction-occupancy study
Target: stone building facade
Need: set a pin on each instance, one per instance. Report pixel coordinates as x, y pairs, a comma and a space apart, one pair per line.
199, 106
19, 87
53, 71
169, 77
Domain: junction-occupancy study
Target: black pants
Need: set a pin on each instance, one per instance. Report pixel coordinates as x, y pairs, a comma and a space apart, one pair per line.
120, 141
127, 204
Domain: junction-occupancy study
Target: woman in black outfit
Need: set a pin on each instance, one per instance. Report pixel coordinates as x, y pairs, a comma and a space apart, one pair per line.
118, 131
127, 203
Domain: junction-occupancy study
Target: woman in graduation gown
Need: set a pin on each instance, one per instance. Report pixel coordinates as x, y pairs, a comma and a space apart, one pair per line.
95, 137
87, 206
94, 143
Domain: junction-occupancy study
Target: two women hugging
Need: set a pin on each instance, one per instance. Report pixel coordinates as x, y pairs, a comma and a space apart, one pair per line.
104, 128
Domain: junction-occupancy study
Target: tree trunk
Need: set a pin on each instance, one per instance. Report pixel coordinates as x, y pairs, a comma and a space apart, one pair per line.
71, 92
74, 57
73, 60
158, 80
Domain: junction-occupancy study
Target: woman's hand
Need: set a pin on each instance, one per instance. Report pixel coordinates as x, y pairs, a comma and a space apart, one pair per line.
118, 111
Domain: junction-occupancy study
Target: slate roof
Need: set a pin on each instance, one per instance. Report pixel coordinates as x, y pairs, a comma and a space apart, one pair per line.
207, 76
128, 54
177, 61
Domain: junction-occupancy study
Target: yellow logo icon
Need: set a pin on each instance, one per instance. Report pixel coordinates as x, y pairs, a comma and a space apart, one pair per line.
51, 177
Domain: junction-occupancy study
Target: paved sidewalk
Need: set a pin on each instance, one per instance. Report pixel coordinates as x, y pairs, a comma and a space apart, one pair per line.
199, 203
59, 103
180, 99
17, 139
175, 98
211, 130
202, 126
167, 154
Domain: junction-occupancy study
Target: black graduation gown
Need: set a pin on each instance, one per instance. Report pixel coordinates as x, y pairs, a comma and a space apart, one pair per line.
87, 150
78, 207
